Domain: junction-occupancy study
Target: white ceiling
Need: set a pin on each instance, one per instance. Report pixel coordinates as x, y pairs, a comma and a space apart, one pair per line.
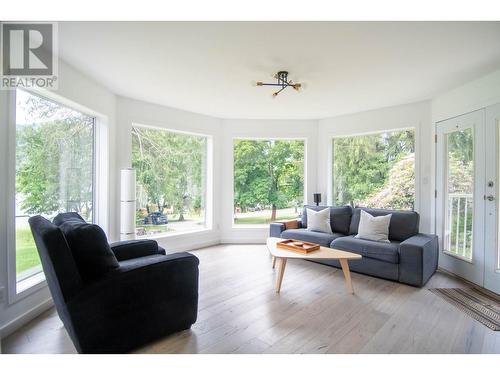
346, 67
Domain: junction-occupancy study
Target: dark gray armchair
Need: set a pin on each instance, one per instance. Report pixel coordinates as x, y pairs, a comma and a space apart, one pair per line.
114, 298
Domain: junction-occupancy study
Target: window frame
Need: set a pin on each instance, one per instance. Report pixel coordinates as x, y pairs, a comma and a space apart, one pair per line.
209, 179
18, 290
330, 174
263, 138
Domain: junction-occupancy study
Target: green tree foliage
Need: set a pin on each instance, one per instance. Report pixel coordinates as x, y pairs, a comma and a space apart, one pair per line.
399, 191
169, 168
367, 168
54, 158
460, 161
268, 173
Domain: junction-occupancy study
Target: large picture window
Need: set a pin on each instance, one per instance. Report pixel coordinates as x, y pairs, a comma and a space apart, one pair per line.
268, 180
171, 181
54, 169
375, 170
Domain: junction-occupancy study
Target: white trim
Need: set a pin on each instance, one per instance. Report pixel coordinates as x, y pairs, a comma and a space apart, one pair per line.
166, 128
175, 234
25, 318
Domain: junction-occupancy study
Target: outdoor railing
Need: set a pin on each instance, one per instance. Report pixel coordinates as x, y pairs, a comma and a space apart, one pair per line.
458, 233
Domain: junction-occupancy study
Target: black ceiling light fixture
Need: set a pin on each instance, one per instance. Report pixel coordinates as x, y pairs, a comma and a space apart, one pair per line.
282, 82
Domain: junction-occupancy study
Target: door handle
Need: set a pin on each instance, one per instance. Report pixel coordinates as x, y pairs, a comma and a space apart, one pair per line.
491, 198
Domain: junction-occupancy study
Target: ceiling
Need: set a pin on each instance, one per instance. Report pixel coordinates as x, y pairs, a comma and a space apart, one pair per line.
346, 67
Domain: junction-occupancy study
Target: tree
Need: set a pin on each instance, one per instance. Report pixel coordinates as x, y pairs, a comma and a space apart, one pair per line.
399, 190
268, 173
362, 165
54, 158
169, 168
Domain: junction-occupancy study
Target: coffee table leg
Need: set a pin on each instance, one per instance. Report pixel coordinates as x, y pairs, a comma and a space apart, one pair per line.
274, 262
280, 274
347, 274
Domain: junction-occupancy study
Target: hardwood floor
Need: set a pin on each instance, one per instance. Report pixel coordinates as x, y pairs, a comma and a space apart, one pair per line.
239, 312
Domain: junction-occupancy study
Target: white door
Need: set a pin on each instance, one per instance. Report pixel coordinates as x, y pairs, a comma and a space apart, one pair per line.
460, 205
492, 222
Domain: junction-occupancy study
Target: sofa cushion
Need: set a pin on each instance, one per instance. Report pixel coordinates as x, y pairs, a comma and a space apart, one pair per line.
404, 224
302, 234
319, 221
340, 217
374, 228
383, 251
90, 249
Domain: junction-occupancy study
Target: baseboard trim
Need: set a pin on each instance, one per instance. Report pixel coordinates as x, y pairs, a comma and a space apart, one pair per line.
194, 246
25, 318
231, 240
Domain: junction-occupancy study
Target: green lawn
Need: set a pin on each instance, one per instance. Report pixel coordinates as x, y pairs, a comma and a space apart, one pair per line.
261, 220
26, 253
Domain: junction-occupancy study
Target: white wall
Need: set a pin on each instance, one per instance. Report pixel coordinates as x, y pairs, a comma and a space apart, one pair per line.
133, 111
415, 115
85, 94
303, 129
469, 97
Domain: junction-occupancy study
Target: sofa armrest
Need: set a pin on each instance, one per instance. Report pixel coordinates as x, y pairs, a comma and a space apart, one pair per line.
125, 250
418, 259
275, 229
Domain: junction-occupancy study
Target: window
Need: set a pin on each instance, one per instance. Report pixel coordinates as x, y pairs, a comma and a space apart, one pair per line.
171, 181
54, 170
376, 170
268, 180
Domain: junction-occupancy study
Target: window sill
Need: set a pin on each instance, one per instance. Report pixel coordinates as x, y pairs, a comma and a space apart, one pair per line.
250, 226
175, 235
453, 255
28, 286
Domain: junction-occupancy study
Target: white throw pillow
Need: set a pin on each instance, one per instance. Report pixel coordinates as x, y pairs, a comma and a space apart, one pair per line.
319, 221
375, 228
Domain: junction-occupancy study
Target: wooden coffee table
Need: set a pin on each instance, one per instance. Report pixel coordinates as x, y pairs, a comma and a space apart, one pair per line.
323, 253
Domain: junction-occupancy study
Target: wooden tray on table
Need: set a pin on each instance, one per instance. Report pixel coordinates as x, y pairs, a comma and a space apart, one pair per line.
301, 247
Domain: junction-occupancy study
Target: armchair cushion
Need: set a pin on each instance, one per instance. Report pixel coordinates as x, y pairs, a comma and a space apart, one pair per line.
124, 250
90, 249
68, 216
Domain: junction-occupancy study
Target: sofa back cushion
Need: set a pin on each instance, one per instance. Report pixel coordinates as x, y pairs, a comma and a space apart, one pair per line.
340, 217
404, 224
89, 246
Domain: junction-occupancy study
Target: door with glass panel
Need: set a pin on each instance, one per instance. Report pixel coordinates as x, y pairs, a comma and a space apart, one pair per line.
460, 208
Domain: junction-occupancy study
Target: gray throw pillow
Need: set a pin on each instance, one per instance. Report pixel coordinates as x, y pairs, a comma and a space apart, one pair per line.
374, 228
319, 221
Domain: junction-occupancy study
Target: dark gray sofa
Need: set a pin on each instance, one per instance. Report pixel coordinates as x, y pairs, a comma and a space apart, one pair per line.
410, 257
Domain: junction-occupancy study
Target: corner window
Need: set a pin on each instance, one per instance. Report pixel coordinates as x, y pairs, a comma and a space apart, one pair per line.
171, 169
54, 171
375, 170
268, 180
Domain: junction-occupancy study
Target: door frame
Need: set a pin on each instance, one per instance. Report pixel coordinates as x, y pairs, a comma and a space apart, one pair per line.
492, 229
472, 270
